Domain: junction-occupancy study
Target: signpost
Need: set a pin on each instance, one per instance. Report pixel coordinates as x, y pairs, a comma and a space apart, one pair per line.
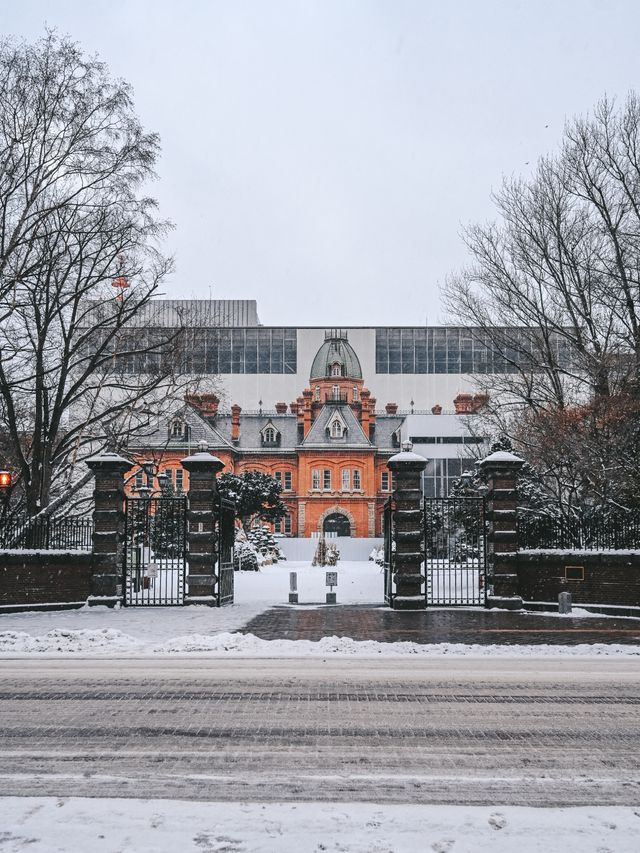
331, 581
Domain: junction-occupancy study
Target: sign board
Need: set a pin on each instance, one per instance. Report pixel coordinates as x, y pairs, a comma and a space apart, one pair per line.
332, 579
151, 571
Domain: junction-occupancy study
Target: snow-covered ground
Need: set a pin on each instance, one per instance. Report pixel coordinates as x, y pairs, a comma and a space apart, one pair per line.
75, 825
206, 630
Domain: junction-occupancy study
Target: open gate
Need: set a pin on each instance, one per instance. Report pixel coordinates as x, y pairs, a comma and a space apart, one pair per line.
225, 515
155, 550
454, 551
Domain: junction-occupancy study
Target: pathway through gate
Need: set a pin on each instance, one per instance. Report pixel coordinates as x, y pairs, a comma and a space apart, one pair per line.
155, 550
454, 551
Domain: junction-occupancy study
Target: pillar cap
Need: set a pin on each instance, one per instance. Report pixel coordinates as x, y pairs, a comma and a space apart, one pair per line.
407, 457
203, 461
500, 457
108, 460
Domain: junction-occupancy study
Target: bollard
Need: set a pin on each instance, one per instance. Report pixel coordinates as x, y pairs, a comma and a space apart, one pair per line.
564, 602
293, 587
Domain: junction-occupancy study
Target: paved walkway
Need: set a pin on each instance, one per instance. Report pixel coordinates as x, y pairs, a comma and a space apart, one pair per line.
485, 627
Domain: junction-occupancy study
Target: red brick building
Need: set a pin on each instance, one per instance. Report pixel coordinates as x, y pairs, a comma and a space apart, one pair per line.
328, 448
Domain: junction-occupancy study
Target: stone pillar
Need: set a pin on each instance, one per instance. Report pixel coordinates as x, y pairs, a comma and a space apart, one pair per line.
501, 470
203, 491
107, 562
408, 534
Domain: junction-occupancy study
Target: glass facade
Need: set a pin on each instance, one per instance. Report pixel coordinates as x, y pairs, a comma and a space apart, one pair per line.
218, 350
457, 350
440, 475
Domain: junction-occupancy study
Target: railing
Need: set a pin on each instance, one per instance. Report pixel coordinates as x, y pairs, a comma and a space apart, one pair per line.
46, 533
614, 532
336, 398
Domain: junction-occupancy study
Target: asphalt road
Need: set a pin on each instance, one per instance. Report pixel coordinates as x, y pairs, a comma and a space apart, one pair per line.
523, 732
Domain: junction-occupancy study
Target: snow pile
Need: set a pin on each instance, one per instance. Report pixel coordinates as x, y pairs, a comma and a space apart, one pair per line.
108, 641
77, 825
68, 641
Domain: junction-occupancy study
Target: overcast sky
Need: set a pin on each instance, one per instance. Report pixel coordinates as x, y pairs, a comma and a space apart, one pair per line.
321, 157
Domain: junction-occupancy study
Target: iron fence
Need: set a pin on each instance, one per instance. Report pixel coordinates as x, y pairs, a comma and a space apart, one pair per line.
613, 532
68, 533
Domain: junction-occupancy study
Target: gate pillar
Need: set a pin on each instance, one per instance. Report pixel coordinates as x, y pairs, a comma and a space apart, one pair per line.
203, 492
407, 529
501, 470
108, 528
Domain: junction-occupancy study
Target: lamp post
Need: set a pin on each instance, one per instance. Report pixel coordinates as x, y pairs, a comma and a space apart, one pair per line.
148, 468
5, 487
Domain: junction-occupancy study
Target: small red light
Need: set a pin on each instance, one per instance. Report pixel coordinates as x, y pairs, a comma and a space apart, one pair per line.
5, 479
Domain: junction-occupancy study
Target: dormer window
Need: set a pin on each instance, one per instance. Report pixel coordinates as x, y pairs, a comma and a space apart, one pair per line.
178, 429
270, 435
336, 369
336, 427
317, 394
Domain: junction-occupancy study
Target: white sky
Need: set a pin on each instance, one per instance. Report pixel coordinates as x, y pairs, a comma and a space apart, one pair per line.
321, 157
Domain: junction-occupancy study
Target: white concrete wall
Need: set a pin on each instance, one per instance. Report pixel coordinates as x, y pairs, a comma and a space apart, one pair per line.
350, 548
425, 389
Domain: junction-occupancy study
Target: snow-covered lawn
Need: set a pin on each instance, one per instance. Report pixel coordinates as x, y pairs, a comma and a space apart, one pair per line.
206, 630
75, 825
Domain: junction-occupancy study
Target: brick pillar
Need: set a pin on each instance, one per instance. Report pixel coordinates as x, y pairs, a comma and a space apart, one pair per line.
501, 471
108, 520
203, 491
409, 577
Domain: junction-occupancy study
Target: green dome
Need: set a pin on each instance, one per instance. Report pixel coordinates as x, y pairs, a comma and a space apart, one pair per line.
336, 349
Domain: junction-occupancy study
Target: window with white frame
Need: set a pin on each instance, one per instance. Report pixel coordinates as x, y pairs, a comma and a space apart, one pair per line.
356, 479
317, 394
326, 479
315, 479
336, 370
385, 481
269, 435
346, 479
336, 392
179, 480
287, 524
177, 428
278, 477
287, 481
337, 429
139, 482
356, 394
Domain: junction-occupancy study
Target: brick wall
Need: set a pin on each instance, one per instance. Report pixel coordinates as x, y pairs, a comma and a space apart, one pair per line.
44, 577
608, 577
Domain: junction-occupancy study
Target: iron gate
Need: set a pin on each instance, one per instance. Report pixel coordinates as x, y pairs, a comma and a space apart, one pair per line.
155, 550
388, 528
454, 551
225, 515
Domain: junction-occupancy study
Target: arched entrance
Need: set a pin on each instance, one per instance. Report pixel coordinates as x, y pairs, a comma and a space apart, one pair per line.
338, 524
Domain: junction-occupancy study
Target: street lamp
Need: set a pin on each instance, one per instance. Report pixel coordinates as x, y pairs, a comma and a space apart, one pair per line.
148, 468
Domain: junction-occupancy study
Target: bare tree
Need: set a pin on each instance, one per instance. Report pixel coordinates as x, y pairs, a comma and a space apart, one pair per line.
553, 289
75, 374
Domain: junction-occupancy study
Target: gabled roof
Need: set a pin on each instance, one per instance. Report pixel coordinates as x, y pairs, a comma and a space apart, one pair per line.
353, 437
157, 436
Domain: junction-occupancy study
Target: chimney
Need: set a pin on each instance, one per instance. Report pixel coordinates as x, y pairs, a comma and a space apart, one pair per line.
372, 418
294, 408
437, 409
479, 400
365, 394
306, 414
391, 408
235, 423
463, 404
206, 404
281, 408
